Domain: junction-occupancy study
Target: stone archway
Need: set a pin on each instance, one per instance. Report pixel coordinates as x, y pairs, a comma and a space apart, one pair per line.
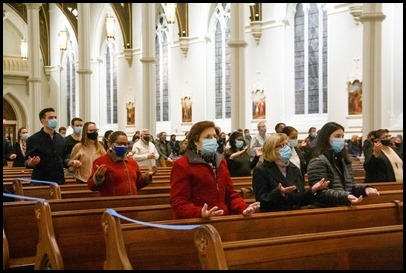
9, 121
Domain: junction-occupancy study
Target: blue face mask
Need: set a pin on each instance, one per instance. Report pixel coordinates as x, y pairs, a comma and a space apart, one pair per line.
209, 146
292, 143
338, 144
285, 153
52, 124
77, 130
120, 150
239, 144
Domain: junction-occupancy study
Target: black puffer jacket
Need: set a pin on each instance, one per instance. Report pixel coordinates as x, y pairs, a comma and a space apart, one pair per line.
341, 182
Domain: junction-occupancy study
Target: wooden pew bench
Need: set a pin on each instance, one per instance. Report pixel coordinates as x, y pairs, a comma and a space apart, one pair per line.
381, 186
134, 246
370, 248
74, 239
384, 196
20, 224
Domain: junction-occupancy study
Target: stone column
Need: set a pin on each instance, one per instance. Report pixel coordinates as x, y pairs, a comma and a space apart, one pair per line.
148, 69
84, 69
34, 64
371, 19
237, 45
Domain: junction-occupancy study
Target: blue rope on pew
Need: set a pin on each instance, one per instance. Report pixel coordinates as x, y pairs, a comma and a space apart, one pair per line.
176, 227
38, 181
23, 197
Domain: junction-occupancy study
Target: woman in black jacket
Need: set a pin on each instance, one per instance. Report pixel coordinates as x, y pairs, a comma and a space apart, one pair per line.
331, 161
278, 184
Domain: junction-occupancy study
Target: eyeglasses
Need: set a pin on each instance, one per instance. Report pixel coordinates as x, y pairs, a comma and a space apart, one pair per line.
282, 145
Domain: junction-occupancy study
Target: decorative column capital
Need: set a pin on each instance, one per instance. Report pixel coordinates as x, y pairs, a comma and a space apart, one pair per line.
256, 30
184, 45
33, 5
128, 55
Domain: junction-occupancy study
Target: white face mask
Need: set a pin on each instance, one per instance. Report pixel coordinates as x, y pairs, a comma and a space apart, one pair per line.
25, 136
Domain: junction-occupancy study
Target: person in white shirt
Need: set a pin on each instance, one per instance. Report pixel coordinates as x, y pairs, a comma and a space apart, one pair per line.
145, 152
257, 142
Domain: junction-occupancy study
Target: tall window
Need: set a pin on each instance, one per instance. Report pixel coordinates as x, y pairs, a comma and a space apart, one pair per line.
310, 31
70, 85
222, 66
111, 83
161, 53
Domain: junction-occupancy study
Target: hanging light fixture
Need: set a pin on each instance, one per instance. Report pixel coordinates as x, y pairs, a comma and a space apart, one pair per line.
63, 39
110, 22
170, 12
24, 49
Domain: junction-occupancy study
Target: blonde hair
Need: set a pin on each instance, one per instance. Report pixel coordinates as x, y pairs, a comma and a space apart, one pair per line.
270, 148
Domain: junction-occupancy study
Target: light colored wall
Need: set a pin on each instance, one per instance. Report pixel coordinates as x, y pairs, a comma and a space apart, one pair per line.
267, 63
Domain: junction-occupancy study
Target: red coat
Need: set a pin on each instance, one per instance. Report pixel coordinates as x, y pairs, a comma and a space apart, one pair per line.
122, 177
194, 183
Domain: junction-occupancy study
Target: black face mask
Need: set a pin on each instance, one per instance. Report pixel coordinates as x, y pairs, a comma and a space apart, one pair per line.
92, 136
146, 138
385, 142
397, 144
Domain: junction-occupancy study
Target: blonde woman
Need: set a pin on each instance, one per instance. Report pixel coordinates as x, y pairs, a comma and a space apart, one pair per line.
86, 151
278, 184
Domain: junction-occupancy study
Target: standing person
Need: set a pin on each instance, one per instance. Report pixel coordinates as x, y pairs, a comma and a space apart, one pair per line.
354, 146
76, 136
175, 146
144, 151
201, 185
222, 143
20, 148
87, 151
279, 127
332, 162
278, 184
105, 140
247, 137
385, 164
308, 144
46, 151
62, 131
115, 174
163, 148
7, 149
297, 154
258, 140
238, 159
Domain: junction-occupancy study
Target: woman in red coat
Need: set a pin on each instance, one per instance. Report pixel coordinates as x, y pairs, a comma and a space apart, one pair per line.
115, 174
201, 185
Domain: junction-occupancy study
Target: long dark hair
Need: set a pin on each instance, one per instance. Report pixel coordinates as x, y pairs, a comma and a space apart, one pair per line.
323, 146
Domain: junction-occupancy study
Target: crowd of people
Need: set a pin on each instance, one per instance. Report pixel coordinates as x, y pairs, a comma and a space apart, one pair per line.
204, 163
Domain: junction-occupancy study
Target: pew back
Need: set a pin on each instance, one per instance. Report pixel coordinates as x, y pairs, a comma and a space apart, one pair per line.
135, 237
352, 249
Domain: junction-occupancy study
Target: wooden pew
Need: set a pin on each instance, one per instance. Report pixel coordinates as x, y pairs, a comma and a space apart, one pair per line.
134, 246
6, 255
74, 239
384, 196
370, 248
21, 227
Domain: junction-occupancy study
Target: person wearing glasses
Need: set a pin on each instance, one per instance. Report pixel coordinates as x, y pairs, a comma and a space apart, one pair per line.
115, 173
86, 151
331, 161
278, 184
